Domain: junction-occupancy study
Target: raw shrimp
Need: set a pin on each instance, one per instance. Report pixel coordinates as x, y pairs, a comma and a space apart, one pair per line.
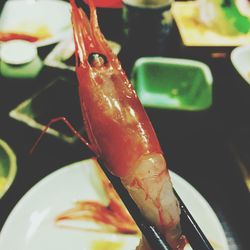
119, 129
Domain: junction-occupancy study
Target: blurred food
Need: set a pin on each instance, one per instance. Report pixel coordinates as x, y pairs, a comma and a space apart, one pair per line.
42, 22
223, 16
195, 32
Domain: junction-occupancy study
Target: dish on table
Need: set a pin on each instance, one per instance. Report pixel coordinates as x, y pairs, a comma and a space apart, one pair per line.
194, 33
8, 167
57, 99
42, 22
37, 211
240, 58
172, 83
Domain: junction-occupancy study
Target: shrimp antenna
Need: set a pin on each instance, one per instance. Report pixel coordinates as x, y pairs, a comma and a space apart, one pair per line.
68, 124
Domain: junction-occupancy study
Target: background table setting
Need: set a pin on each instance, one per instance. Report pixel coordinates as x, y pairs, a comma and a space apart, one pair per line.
193, 81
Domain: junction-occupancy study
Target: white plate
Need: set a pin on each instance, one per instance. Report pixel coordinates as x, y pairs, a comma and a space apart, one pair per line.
31, 17
240, 58
30, 226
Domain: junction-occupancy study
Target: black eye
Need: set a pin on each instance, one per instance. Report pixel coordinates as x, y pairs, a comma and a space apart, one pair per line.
97, 60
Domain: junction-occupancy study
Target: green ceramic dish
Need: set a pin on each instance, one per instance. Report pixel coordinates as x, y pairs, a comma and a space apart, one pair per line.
170, 83
8, 167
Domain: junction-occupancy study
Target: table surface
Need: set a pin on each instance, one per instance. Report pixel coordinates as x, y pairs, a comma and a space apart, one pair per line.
206, 148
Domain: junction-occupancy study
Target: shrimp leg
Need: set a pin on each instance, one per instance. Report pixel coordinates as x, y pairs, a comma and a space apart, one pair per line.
69, 125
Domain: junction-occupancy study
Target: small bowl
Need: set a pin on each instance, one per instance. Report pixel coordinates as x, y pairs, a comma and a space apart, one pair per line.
19, 59
170, 83
240, 58
8, 167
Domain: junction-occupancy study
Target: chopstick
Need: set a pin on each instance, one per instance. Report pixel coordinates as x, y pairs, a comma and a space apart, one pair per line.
191, 230
153, 236
155, 239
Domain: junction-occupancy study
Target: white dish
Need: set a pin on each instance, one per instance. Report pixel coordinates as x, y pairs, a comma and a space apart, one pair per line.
31, 223
240, 58
48, 17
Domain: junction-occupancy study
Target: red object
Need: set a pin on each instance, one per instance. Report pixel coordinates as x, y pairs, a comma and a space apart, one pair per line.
4, 37
116, 123
107, 3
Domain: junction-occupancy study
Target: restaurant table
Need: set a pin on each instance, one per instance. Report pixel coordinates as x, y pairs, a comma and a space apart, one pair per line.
207, 148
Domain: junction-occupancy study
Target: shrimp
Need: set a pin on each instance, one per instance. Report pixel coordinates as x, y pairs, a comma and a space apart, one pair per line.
119, 129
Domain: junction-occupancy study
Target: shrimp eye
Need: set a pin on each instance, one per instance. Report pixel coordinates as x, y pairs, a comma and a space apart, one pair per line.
97, 60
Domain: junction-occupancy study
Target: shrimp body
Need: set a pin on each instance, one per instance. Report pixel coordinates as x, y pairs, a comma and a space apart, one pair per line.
119, 129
